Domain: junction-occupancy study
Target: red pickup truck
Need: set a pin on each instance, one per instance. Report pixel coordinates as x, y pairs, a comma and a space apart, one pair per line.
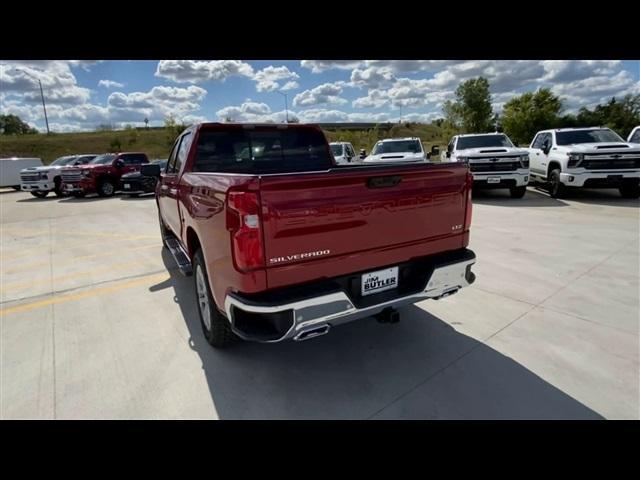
285, 244
102, 175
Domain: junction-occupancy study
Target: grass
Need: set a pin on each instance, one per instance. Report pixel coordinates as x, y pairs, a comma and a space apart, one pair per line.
157, 143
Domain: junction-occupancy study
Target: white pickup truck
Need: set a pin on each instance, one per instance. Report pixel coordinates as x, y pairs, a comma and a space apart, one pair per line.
343, 152
634, 136
391, 150
493, 159
39, 181
585, 157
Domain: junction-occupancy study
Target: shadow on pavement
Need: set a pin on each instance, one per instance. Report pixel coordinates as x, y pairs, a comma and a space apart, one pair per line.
501, 198
142, 196
360, 368
607, 196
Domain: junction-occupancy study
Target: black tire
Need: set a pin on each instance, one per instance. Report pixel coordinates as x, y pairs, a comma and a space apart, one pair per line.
106, 188
518, 192
556, 187
16, 187
134, 195
630, 191
218, 333
57, 189
39, 194
78, 194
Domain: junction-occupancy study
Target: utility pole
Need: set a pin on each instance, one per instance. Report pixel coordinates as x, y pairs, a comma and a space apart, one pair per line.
44, 106
400, 114
286, 109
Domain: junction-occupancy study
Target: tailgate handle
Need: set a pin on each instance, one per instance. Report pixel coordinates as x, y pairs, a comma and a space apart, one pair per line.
382, 182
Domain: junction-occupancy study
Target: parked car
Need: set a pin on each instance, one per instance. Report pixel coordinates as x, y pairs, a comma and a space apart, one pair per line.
283, 245
343, 152
585, 157
391, 150
493, 159
634, 136
135, 183
39, 181
10, 170
102, 175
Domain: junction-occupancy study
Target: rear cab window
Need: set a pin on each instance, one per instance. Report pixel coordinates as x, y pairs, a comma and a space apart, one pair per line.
261, 150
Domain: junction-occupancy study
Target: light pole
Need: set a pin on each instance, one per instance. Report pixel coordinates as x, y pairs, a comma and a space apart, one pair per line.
44, 106
286, 109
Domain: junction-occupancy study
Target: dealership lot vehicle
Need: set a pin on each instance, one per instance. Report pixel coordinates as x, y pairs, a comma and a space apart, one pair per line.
39, 181
634, 136
391, 150
102, 175
114, 333
343, 152
585, 157
493, 160
135, 183
10, 170
280, 245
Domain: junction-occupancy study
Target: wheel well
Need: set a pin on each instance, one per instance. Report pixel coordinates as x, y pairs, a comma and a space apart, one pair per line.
102, 178
193, 242
552, 167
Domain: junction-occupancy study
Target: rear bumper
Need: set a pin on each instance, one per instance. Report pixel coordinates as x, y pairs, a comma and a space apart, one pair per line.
38, 186
519, 178
605, 179
290, 318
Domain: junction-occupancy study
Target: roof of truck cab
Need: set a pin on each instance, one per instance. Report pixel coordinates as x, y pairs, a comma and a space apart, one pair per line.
573, 129
480, 134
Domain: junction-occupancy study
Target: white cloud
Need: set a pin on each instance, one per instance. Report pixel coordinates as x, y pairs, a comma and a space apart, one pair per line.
267, 79
193, 71
290, 86
319, 66
372, 77
110, 84
327, 93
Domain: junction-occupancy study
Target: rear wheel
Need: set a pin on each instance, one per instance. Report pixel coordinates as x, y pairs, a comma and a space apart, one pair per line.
518, 192
630, 191
39, 194
106, 188
556, 187
215, 326
16, 187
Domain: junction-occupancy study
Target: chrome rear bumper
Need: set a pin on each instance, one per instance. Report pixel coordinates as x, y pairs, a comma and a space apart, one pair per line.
337, 308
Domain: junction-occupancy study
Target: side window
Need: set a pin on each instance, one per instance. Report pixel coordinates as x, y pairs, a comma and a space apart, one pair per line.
171, 162
183, 150
537, 141
636, 136
133, 159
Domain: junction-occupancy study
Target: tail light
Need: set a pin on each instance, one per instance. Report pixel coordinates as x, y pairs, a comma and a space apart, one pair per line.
469, 206
243, 221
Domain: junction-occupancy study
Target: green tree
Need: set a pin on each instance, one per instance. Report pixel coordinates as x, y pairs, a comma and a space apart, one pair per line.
471, 112
528, 113
621, 116
13, 125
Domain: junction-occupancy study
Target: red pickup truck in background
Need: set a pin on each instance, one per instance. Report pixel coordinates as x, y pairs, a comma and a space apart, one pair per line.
102, 175
285, 244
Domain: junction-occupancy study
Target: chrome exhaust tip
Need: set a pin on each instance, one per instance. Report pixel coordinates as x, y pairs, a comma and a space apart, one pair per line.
312, 332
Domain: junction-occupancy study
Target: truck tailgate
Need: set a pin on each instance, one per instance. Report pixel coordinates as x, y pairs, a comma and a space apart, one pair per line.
356, 218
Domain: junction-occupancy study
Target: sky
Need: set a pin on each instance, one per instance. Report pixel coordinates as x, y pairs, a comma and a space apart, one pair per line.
81, 95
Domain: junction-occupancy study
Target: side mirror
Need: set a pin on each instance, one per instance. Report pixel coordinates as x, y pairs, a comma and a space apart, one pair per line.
118, 164
448, 154
428, 155
150, 170
546, 148
363, 153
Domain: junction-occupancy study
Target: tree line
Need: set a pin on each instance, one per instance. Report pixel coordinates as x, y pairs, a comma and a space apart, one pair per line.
524, 115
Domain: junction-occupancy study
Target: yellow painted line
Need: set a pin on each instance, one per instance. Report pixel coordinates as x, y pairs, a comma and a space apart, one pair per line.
80, 295
26, 266
55, 280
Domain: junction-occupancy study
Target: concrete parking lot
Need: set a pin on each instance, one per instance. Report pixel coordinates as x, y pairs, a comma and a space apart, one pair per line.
97, 323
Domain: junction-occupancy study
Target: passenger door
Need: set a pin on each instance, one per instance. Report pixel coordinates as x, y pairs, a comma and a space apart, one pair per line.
538, 156
168, 191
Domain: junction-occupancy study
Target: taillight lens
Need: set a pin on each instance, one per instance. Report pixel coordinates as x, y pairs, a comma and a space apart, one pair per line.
243, 221
469, 209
